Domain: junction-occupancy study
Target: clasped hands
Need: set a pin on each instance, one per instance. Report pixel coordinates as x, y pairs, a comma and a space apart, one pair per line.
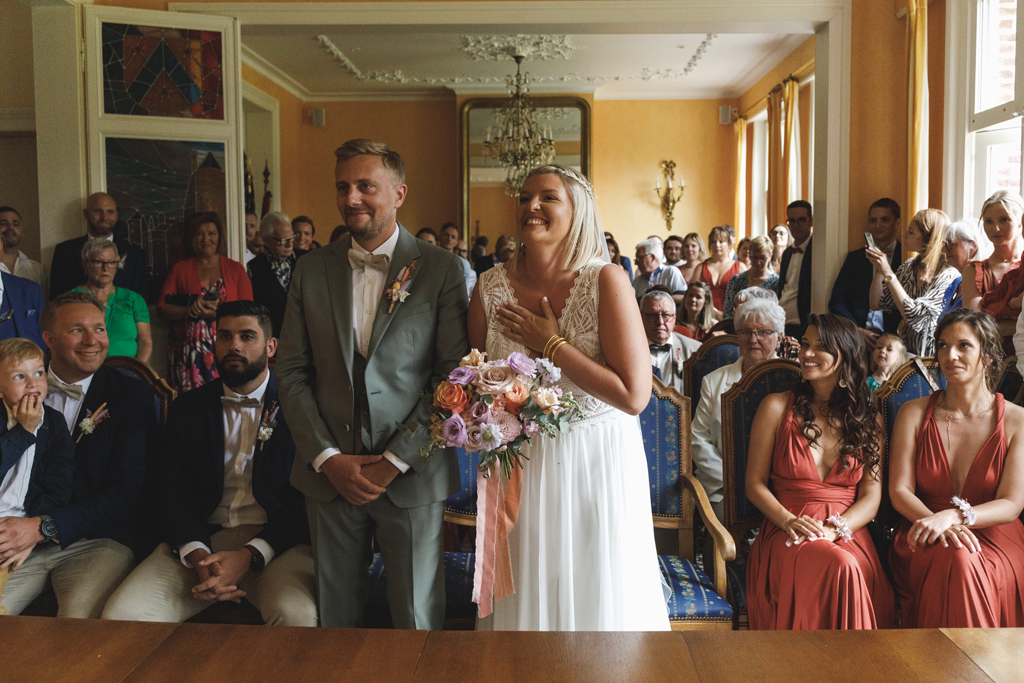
945, 527
804, 528
530, 330
219, 574
203, 308
360, 479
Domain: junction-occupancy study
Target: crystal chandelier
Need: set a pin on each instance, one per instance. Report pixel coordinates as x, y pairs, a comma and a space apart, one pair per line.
519, 144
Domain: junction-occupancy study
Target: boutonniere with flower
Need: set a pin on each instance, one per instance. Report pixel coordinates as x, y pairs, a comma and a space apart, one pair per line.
267, 424
89, 422
398, 291
120, 263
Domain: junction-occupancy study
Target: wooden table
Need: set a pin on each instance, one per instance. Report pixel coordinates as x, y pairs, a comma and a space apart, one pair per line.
46, 650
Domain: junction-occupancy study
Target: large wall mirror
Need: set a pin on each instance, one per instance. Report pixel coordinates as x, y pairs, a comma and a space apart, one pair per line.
486, 208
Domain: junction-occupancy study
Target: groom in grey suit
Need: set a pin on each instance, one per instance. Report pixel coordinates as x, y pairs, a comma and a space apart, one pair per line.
354, 362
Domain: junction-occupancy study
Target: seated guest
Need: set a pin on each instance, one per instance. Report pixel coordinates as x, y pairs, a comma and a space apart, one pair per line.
759, 275
788, 346
1001, 219
916, 289
479, 249
233, 524
814, 472
449, 239
253, 243
694, 253
15, 261
759, 324
957, 477
719, 268
650, 273
961, 246
127, 314
781, 240
271, 272
673, 250
38, 463
111, 419
66, 270
697, 312
889, 353
487, 261
427, 235
615, 256
21, 306
668, 349
304, 231
852, 288
743, 251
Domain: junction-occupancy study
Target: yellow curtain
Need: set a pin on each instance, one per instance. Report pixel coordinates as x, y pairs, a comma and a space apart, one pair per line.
917, 80
791, 140
739, 127
777, 178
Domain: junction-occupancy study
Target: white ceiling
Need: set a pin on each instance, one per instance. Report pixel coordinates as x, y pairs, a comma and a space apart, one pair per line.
320, 62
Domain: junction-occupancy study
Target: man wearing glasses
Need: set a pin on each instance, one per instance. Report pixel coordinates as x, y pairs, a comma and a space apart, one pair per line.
271, 271
668, 349
794, 286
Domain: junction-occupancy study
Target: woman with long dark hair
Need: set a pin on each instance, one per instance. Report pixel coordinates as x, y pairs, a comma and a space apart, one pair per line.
696, 315
813, 470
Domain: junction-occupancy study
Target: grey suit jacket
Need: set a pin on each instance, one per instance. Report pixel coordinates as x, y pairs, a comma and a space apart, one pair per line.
412, 349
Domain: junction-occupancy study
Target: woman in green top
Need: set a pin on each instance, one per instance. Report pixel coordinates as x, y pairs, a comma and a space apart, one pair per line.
127, 313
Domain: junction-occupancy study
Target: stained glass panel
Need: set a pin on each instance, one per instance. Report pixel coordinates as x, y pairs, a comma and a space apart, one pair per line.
158, 185
157, 71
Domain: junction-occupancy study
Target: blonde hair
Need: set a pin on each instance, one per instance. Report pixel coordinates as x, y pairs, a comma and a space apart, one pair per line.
901, 349
1009, 200
18, 349
932, 260
761, 246
703, 253
361, 146
585, 241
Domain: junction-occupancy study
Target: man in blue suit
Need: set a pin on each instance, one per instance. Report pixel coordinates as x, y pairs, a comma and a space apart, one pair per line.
111, 418
232, 522
66, 271
21, 307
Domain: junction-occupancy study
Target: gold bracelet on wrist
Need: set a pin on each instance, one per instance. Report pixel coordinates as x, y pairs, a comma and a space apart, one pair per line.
558, 345
551, 344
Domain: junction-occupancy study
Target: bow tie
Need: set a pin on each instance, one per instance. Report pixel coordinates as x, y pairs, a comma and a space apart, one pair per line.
71, 391
240, 401
797, 250
661, 347
361, 260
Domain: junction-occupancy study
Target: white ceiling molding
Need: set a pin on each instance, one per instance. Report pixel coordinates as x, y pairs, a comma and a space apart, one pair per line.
536, 48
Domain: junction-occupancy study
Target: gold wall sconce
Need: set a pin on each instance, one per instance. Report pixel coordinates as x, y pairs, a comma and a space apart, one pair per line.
670, 196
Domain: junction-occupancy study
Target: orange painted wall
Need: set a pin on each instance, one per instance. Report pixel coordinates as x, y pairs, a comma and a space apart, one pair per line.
495, 212
17, 87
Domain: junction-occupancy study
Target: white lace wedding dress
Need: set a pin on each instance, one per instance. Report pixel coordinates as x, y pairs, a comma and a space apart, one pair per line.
583, 555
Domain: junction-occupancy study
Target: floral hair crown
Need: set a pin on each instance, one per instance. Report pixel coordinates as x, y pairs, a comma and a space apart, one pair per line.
571, 173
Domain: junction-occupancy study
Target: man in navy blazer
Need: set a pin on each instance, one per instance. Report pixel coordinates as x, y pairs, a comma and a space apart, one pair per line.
21, 308
852, 287
794, 288
66, 271
232, 522
111, 418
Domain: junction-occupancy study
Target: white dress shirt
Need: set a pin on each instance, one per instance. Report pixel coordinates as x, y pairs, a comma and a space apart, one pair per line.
367, 291
238, 505
706, 432
14, 487
788, 297
67, 406
670, 361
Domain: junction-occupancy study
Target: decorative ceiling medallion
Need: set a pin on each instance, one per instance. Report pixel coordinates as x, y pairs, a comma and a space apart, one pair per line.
534, 48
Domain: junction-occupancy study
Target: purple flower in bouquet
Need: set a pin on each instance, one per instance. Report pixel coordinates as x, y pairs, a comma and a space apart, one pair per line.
454, 431
462, 376
480, 413
547, 371
509, 424
522, 363
495, 380
531, 428
474, 438
490, 436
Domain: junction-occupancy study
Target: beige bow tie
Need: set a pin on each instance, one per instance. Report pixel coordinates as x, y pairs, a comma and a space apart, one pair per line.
240, 401
72, 391
360, 260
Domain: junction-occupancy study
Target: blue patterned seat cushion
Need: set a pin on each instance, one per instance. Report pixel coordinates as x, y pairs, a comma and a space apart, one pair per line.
693, 597
458, 588
736, 576
464, 500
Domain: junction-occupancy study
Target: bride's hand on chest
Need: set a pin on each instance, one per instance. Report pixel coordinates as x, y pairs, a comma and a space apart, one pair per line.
529, 329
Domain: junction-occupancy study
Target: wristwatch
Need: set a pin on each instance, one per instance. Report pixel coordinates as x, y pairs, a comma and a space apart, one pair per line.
47, 527
887, 279
257, 562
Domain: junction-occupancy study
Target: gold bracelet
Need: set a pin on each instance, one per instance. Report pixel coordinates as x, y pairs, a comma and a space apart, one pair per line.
551, 356
551, 343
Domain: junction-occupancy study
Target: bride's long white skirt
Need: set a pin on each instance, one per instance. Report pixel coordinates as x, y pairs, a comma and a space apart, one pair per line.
583, 554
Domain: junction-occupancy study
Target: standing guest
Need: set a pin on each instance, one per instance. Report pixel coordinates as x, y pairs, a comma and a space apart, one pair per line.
698, 315
38, 465
488, 261
957, 477
271, 271
15, 261
694, 254
66, 268
960, 248
126, 313
743, 251
353, 365
851, 291
814, 473
304, 231
759, 324
193, 290
673, 250
88, 546
449, 240
615, 256
889, 353
794, 288
233, 525
253, 243
1001, 218
915, 291
650, 273
427, 235
462, 250
669, 349
781, 240
21, 306
759, 275
719, 268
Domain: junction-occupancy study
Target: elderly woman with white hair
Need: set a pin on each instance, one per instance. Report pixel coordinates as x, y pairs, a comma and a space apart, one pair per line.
759, 325
271, 271
650, 272
1001, 219
961, 247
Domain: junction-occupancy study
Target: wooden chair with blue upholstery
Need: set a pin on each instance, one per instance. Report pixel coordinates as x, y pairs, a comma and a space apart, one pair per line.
697, 601
460, 610
739, 406
714, 353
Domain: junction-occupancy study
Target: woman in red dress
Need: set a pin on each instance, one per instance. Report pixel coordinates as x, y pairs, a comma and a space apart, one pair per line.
719, 269
817, 480
957, 477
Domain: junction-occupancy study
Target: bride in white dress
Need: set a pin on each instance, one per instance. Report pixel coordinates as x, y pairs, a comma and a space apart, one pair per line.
583, 555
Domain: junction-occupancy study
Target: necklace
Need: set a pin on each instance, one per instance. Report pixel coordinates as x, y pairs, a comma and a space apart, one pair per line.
949, 416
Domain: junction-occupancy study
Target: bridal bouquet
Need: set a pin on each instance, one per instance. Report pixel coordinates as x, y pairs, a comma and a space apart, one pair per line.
496, 406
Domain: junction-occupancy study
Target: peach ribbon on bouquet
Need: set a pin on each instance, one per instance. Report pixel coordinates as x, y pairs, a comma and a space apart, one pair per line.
497, 511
